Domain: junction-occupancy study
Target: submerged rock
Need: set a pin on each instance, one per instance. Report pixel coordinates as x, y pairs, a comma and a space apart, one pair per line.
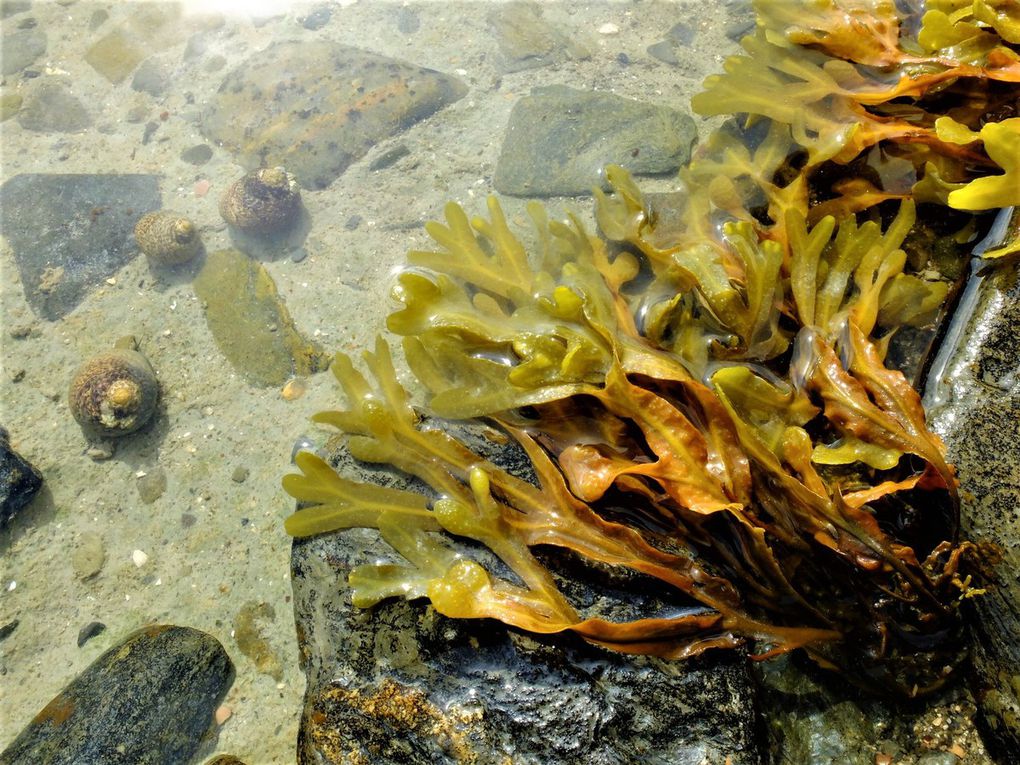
147, 701
973, 403
50, 107
19, 49
316, 107
251, 324
526, 40
402, 684
70, 232
559, 139
19, 480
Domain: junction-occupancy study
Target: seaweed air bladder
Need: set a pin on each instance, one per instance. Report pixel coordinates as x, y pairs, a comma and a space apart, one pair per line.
708, 404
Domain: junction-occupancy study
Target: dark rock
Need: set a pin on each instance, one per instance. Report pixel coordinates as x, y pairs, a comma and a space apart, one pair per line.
559, 139
7, 629
682, 34
19, 480
251, 324
813, 717
317, 19
89, 631
973, 403
316, 107
146, 701
389, 157
197, 155
29, 23
401, 684
527, 41
353, 222
51, 108
70, 232
19, 49
152, 77
240, 474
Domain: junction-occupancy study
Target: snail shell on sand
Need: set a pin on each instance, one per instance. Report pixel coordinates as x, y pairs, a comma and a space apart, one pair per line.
263, 201
167, 238
114, 393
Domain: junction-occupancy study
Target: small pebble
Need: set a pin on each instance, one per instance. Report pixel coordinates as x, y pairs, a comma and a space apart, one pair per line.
353, 222
139, 558
317, 19
152, 485
89, 631
187, 520
223, 713
240, 474
88, 556
8, 628
202, 187
609, 29
17, 375
197, 155
298, 254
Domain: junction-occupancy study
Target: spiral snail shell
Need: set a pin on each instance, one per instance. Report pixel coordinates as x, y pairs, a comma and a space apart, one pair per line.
263, 201
167, 238
114, 393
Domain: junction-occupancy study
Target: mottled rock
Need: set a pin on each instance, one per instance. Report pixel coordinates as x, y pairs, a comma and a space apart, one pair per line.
973, 402
151, 27
527, 41
19, 49
70, 232
251, 324
50, 107
813, 717
399, 684
559, 139
19, 480
147, 701
250, 638
316, 107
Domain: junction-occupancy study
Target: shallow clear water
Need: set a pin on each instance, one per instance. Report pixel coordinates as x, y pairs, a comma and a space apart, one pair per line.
138, 89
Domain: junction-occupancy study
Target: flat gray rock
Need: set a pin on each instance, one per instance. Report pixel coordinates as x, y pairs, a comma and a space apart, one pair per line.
49, 107
973, 402
559, 140
19, 49
147, 701
70, 232
401, 685
316, 107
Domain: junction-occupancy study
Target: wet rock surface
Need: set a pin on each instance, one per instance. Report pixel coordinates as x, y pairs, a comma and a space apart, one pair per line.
70, 232
401, 684
559, 139
19, 480
325, 106
973, 401
251, 324
50, 107
147, 701
526, 40
19, 49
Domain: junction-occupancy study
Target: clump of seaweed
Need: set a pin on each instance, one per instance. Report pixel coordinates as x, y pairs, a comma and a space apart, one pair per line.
708, 403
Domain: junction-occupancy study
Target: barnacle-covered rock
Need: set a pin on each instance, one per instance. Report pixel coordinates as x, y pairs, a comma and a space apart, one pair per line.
262, 202
114, 393
166, 238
